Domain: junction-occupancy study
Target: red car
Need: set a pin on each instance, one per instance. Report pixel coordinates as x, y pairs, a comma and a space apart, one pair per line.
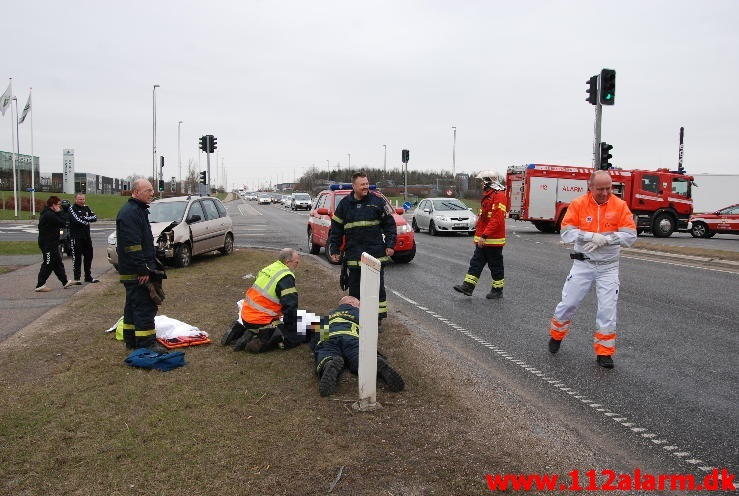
319, 224
724, 221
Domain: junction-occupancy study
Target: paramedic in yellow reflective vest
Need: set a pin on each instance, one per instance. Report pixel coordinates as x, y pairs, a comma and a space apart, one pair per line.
337, 347
489, 237
273, 295
136, 263
368, 224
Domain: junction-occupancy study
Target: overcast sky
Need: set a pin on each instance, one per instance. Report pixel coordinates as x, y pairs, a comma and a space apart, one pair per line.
284, 85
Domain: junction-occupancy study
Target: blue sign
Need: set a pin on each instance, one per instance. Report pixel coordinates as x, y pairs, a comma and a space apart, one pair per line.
30, 190
407, 206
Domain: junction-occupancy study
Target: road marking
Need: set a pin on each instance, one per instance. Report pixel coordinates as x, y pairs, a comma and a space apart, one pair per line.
680, 264
560, 386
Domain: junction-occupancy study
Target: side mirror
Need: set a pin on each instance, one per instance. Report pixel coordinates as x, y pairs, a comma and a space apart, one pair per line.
427, 210
322, 211
470, 210
193, 218
399, 211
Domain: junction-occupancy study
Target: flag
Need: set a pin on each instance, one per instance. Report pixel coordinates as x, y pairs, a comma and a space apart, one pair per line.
5, 98
26, 109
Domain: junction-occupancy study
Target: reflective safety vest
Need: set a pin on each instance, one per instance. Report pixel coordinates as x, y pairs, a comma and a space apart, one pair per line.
344, 320
491, 220
261, 303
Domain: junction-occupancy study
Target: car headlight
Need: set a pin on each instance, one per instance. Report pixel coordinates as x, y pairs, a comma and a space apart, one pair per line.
442, 218
112, 238
405, 228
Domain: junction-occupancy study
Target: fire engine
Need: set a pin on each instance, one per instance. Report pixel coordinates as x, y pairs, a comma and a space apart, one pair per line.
660, 200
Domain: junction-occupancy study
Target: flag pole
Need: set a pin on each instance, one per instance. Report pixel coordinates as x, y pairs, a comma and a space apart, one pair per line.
12, 145
33, 170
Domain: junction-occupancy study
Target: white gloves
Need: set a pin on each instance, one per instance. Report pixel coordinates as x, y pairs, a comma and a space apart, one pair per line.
597, 241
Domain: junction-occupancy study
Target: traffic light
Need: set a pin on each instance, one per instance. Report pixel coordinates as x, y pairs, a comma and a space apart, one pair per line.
605, 155
607, 86
203, 143
161, 185
203, 178
592, 90
405, 154
212, 147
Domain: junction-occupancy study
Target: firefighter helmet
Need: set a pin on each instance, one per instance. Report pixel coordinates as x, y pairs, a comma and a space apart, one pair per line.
492, 179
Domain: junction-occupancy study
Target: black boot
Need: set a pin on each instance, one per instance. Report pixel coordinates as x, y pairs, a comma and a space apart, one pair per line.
233, 334
330, 376
554, 345
494, 294
388, 374
243, 340
465, 288
605, 361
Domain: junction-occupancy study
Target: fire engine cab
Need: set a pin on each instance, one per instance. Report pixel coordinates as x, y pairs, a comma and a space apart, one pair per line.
319, 223
660, 200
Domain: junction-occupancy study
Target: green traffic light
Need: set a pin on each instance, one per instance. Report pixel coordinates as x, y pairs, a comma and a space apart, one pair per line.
609, 96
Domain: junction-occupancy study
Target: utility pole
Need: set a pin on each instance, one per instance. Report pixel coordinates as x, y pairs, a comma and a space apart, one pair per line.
179, 151
454, 152
384, 163
154, 134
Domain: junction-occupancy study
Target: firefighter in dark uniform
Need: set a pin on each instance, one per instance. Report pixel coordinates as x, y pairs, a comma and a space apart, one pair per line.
489, 237
80, 217
368, 224
337, 347
136, 264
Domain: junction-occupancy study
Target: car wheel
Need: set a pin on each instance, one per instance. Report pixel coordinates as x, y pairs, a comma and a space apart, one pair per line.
327, 250
313, 248
228, 245
699, 230
415, 225
405, 256
432, 229
663, 225
183, 255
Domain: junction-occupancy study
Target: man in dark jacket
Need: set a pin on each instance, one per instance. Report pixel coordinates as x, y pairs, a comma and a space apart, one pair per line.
49, 225
338, 347
368, 224
80, 217
136, 264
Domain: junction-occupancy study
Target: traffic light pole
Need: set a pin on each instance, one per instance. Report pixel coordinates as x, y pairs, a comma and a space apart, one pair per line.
596, 130
207, 155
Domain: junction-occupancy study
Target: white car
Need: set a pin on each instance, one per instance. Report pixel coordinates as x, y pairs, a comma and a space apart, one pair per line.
264, 199
300, 201
184, 226
286, 200
437, 215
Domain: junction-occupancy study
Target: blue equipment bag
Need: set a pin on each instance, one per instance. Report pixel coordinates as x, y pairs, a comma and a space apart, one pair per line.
147, 359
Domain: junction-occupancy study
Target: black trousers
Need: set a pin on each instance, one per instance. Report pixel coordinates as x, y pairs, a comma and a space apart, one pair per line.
52, 262
355, 277
492, 256
343, 346
138, 316
81, 250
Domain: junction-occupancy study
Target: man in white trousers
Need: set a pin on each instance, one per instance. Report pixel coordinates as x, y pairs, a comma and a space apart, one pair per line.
599, 224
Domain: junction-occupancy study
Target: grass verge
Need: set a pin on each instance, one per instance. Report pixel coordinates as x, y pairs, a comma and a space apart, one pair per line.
685, 250
19, 248
75, 420
104, 206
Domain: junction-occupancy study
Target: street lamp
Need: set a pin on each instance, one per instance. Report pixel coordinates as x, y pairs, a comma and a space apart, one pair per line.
384, 163
454, 152
154, 136
350, 161
179, 150
328, 167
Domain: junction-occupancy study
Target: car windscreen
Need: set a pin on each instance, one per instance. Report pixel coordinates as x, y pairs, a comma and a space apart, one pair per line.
167, 211
449, 205
301, 197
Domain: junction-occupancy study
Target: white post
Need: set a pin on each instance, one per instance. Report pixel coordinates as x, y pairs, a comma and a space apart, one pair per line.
15, 152
368, 308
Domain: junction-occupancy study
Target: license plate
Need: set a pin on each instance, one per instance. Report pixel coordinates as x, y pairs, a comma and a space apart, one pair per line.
459, 225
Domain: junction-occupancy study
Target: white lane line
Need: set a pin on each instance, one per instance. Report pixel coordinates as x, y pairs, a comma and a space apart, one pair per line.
560, 385
680, 264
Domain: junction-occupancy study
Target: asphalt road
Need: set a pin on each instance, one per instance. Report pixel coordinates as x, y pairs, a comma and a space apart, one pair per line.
672, 398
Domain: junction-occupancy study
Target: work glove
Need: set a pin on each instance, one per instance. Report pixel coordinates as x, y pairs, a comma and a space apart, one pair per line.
589, 246
599, 240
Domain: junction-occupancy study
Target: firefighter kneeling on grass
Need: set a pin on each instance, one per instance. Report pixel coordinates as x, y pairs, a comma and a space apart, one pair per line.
599, 223
489, 237
338, 346
273, 295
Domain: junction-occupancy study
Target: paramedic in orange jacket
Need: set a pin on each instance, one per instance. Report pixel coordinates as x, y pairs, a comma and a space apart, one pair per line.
489, 237
599, 224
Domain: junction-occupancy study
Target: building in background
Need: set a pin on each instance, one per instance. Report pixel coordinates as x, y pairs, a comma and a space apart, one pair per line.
23, 171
